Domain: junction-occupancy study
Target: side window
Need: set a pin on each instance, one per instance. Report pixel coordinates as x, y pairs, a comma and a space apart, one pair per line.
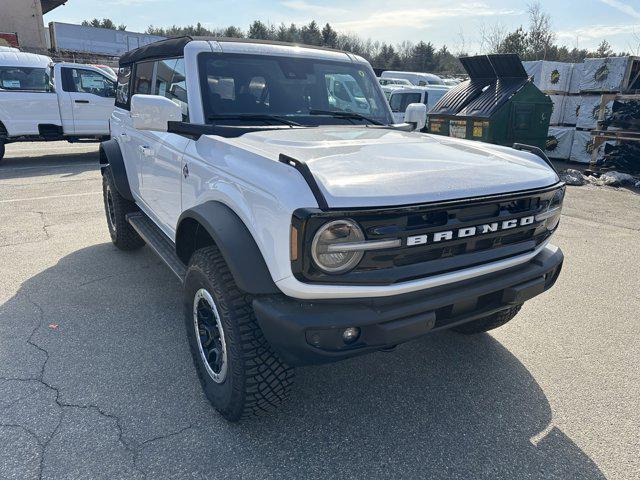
89, 81
171, 83
143, 77
25, 79
395, 101
122, 90
340, 91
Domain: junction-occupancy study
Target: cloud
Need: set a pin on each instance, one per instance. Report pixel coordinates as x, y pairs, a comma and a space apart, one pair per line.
420, 17
313, 9
623, 7
597, 31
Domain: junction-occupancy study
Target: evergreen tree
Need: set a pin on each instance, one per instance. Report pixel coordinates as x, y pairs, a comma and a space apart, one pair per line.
329, 37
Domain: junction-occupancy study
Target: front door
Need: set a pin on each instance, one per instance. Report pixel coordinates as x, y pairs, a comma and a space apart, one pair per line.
160, 155
92, 97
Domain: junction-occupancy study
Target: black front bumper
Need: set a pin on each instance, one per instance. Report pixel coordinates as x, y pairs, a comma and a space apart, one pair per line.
310, 332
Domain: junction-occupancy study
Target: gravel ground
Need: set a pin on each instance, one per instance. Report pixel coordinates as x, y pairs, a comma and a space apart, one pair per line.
96, 380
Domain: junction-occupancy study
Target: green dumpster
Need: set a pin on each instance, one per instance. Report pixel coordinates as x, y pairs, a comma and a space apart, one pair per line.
498, 104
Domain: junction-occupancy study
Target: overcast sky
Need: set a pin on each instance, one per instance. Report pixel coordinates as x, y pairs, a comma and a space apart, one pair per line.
584, 23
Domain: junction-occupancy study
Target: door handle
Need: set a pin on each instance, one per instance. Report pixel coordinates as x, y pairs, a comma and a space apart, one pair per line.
145, 150
81, 101
125, 137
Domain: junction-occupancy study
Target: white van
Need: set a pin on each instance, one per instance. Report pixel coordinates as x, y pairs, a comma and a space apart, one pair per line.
40, 100
400, 98
416, 78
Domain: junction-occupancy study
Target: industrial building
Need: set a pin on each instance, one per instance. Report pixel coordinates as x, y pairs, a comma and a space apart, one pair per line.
24, 19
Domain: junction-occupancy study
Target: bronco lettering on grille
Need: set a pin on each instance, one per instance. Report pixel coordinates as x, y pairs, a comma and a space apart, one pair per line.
469, 231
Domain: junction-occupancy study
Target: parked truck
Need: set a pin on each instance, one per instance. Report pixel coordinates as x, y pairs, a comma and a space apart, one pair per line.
40, 100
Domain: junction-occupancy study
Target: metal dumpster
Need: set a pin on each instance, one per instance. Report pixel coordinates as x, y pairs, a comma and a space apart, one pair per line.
498, 104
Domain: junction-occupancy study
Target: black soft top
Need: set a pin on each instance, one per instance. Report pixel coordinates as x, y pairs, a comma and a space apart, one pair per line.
174, 47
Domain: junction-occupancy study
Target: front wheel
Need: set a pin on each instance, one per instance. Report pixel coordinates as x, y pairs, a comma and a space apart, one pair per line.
239, 372
1, 150
490, 322
116, 208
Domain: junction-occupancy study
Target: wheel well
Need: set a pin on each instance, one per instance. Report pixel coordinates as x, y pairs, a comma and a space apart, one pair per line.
3, 131
104, 161
191, 236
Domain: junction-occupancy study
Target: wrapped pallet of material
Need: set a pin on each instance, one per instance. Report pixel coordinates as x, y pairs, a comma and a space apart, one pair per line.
604, 74
560, 142
550, 77
577, 72
583, 147
558, 109
571, 110
534, 70
590, 110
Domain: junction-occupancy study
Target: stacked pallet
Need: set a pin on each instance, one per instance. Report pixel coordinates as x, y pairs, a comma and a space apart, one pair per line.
581, 94
616, 141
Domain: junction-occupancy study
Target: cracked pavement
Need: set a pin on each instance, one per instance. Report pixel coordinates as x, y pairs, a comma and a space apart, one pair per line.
96, 379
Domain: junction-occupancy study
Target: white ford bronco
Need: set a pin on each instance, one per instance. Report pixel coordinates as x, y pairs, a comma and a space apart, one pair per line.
303, 233
40, 100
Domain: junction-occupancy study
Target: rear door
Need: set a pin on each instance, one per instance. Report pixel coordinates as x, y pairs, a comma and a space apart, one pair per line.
91, 94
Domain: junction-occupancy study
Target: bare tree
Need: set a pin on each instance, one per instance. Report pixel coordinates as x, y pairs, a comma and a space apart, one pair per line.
540, 35
492, 37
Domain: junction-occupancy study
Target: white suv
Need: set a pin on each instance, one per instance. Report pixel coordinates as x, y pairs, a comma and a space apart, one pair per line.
304, 233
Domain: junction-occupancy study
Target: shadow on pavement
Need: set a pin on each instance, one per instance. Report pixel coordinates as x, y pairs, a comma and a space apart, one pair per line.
445, 406
15, 165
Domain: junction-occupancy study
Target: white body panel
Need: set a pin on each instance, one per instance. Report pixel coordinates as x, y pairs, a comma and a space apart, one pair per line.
354, 166
21, 111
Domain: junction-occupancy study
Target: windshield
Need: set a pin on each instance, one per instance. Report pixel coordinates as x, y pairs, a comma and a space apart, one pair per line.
304, 90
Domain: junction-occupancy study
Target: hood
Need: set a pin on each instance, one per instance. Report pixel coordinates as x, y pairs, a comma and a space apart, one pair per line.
375, 167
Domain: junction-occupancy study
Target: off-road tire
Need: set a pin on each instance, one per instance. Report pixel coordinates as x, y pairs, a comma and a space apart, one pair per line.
256, 380
116, 208
488, 323
1, 150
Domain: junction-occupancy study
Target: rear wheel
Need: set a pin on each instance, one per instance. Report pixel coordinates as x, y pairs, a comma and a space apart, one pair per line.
1, 150
488, 323
239, 372
116, 208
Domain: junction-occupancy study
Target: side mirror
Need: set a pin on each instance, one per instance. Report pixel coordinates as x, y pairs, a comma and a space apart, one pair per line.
416, 114
153, 112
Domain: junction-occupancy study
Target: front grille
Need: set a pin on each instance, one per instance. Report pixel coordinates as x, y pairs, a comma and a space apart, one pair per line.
411, 262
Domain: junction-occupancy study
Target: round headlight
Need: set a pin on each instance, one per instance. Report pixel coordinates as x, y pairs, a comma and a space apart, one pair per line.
330, 247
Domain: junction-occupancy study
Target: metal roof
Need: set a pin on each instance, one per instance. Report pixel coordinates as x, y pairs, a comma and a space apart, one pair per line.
48, 5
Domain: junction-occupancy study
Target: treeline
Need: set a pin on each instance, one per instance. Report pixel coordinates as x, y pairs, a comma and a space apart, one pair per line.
104, 23
536, 41
419, 57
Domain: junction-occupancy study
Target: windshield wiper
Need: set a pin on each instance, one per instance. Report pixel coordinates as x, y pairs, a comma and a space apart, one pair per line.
254, 116
347, 115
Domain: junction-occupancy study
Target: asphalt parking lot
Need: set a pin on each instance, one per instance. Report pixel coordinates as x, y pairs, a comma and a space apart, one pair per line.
96, 380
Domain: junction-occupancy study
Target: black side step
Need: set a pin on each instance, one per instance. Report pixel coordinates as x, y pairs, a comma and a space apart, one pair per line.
158, 241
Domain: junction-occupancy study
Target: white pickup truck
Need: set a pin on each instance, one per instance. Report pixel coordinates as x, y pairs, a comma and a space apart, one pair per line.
40, 100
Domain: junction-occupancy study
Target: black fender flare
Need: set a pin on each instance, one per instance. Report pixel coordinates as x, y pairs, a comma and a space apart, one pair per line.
111, 155
237, 245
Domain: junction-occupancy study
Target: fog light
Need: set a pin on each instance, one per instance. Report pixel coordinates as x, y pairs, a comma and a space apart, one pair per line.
350, 334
